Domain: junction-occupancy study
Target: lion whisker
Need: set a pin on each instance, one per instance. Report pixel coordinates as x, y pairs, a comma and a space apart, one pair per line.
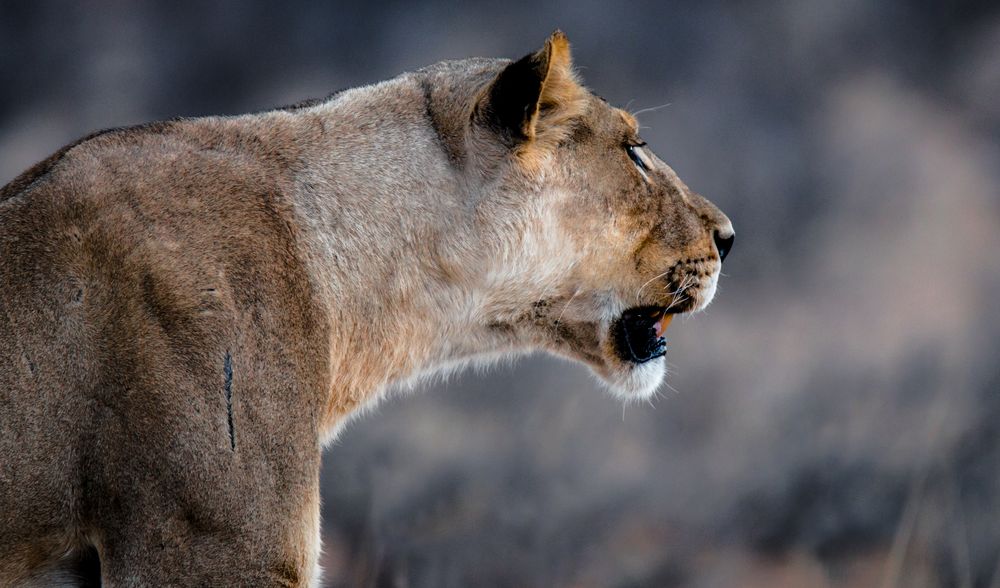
677, 297
686, 283
565, 306
650, 109
651, 280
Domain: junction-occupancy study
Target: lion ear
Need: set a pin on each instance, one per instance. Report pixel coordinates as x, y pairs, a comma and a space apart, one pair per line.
533, 94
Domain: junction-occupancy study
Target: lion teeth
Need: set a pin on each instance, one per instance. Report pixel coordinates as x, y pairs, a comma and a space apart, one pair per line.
661, 325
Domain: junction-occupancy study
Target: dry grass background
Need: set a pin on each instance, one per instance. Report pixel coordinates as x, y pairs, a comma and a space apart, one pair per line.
832, 419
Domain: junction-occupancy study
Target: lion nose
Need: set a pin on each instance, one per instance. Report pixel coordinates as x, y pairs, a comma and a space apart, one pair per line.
723, 243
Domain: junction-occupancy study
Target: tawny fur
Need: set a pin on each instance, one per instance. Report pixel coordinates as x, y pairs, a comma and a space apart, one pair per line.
190, 309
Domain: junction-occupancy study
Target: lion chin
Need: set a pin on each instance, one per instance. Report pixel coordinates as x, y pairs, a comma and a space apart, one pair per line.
628, 354
632, 381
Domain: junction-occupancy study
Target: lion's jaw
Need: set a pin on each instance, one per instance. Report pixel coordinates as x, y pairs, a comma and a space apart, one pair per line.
589, 326
551, 289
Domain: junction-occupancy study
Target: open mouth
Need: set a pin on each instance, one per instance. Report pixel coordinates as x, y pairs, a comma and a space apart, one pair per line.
639, 333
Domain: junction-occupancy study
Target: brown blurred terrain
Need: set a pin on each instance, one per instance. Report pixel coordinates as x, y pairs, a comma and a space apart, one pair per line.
832, 420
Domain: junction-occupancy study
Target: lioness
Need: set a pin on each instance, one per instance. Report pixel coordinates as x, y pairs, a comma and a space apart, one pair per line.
190, 309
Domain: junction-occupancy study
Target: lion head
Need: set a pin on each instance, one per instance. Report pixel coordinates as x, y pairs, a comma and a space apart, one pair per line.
586, 243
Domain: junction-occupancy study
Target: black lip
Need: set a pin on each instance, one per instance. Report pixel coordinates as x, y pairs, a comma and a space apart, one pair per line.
635, 334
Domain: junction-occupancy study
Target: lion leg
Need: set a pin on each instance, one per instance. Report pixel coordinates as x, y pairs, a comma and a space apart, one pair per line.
217, 496
177, 549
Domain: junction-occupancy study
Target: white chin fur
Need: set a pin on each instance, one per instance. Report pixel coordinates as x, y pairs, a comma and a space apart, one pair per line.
640, 381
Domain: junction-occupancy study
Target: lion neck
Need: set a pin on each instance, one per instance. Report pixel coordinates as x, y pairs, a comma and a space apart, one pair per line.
394, 249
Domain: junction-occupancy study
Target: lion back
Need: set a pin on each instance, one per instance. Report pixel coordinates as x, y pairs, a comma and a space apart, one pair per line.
153, 299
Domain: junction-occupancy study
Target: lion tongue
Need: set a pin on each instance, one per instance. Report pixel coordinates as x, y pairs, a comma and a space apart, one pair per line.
661, 325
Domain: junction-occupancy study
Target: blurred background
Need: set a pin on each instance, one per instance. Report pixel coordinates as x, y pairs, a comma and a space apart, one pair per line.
832, 420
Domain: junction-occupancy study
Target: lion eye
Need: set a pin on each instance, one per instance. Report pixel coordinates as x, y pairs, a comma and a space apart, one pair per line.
635, 154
